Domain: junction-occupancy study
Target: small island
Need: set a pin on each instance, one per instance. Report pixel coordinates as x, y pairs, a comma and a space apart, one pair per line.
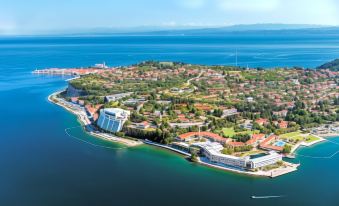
244, 120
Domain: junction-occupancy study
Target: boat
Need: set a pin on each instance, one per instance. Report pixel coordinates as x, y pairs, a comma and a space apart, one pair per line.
266, 197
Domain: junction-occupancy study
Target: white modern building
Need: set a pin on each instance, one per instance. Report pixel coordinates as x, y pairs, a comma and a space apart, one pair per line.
229, 112
263, 161
116, 97
212, 151
112, 119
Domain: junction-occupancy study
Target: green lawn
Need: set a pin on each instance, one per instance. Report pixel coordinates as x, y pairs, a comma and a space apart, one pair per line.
311, 138
297, 136
253, 152
291, 134
229, 132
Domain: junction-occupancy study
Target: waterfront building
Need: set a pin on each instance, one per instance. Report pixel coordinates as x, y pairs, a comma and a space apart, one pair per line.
112, 119
212, 151
263, 161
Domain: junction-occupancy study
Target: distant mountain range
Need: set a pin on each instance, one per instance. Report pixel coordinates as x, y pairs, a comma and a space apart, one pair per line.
250, 30
184, 30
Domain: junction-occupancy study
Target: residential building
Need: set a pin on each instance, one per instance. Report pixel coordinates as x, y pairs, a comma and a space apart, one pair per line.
116, 97
208, 135
255, 139
229, 112
143, 125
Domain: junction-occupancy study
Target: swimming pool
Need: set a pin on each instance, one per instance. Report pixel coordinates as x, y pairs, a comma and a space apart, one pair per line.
280, 143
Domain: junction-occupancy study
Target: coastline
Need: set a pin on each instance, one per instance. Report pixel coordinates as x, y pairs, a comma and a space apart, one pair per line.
304, 144
85, 122
329, 135
289, 167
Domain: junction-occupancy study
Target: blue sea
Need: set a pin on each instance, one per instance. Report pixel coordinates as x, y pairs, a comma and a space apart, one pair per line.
42, 165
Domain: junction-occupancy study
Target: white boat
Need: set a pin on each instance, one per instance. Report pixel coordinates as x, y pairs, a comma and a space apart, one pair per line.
266, 197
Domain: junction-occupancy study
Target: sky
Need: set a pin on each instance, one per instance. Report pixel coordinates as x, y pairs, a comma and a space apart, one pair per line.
20, 16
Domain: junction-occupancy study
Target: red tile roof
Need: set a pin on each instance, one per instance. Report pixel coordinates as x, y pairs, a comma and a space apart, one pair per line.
236, 144
210, 135
266, 144
255, 138
269, 139
203, 107
261, 121
283, 124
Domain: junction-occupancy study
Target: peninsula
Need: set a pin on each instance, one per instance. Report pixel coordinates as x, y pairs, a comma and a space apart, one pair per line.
238, 119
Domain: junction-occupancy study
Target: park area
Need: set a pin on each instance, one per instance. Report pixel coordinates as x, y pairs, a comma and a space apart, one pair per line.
295, 137
229, 132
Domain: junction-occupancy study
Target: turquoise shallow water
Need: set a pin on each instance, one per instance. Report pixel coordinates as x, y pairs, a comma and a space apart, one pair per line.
41, 165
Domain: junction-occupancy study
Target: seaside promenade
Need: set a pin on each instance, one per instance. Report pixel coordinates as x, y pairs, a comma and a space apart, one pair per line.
86, 123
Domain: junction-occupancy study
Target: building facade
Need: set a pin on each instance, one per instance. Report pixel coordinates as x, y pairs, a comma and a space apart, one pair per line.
211, 150
112, 119
116, 97
266, 160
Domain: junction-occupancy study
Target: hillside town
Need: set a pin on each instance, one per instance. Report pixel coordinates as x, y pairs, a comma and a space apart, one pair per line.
236, 118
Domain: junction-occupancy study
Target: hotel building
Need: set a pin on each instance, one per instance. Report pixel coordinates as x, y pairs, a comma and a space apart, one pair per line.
269, 159
211, 150
112, 119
